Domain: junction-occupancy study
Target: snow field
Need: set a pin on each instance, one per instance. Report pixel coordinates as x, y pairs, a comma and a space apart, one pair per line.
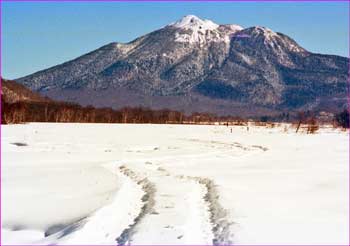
173, 184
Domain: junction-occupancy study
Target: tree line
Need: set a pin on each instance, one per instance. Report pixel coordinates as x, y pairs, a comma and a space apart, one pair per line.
52, 111
28, 111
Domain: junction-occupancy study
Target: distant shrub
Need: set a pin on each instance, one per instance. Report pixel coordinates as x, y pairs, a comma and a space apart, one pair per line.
258, 123
301, 119
312, 126
342, 119
264, 118
306, 122
239, 123
271, 125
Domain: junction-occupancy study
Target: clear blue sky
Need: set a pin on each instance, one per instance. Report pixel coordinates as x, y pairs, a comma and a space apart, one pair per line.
37, 35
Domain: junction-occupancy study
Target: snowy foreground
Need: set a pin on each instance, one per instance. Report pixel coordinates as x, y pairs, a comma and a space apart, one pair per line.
173, 184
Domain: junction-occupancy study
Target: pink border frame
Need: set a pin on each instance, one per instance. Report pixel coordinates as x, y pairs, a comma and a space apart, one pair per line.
348, 92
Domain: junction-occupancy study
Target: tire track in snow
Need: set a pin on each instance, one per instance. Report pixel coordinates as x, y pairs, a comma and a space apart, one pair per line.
213, 215
179, 216
147, 199
220, 224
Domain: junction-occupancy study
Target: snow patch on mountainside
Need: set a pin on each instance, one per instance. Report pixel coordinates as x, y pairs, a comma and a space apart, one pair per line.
201, 31
275, 41
194, 23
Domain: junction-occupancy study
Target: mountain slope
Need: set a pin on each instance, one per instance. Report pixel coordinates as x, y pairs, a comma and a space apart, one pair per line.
197, 65
12, 92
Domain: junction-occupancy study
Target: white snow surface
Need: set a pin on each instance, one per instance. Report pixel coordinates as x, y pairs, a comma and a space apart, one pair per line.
172, 184
194, 23
202, 31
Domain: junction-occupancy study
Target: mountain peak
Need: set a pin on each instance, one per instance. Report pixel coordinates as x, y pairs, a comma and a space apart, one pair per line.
202, 31
195, 23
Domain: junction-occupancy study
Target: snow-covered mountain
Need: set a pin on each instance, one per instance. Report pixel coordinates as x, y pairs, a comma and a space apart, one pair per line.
198, 65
